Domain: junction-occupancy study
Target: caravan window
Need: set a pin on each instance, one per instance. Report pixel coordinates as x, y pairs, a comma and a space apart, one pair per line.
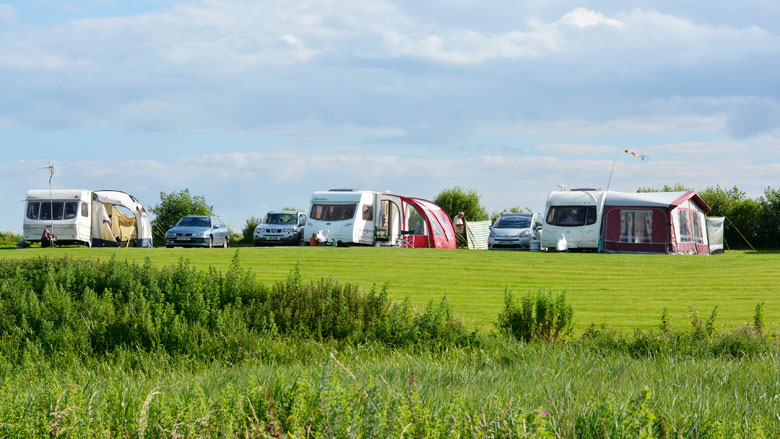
70, 210
636, 226
368, 212
685, 228
332, 212
33, 208
697, 235
49, 210
571, 216
84, 209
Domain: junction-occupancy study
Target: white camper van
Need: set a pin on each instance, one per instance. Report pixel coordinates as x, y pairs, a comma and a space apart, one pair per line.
573, 219
84, 217
351, 216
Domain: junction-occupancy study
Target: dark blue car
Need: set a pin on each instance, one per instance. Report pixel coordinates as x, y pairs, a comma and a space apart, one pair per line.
198, 231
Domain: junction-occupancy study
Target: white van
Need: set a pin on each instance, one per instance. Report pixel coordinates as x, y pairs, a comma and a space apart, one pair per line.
573, 219
351, 216
84, 217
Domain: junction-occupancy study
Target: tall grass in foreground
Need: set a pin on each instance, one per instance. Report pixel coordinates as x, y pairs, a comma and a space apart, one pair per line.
110, 349
321, 389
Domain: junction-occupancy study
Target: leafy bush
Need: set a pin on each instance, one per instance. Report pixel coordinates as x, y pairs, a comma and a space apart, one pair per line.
248, 232
456, 200
172, 207
539, 317
702, 341
9, 238
91, 308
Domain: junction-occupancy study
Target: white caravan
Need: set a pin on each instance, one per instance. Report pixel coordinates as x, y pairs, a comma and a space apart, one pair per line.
84, 217
350, 216
573, 219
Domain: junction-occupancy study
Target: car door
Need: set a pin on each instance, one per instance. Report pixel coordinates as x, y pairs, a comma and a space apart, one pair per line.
223, 231
301, 225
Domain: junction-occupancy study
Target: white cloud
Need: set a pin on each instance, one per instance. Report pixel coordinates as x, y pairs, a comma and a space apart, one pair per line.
583, 18
8, 15
240, 184
576, 149
265, 66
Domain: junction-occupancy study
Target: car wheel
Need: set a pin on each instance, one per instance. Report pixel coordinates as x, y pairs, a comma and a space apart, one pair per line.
211, 241
168, 246
225, 242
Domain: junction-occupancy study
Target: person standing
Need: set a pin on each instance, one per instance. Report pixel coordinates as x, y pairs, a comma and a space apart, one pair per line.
459, 223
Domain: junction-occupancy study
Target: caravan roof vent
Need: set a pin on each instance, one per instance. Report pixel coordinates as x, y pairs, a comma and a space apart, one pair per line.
584, 189
343, 190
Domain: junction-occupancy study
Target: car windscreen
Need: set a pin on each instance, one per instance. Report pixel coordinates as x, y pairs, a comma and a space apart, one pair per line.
513, 222
192, 221
281, 218
332, 212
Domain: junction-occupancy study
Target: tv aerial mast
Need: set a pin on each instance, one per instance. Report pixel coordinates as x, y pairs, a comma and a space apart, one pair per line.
50, 168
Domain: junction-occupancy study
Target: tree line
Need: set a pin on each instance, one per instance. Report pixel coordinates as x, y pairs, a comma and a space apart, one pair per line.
750, 222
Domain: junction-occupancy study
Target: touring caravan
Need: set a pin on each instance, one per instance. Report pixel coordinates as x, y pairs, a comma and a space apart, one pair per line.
350, 216
84, 217
573, 219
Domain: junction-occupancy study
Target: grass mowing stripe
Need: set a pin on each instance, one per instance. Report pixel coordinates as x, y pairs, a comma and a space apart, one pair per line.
624, 291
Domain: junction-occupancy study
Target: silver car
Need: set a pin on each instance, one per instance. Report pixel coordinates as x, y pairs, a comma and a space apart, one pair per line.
281, 227
198, 231
515, 231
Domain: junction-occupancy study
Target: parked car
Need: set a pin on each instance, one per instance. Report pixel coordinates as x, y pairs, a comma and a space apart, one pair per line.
198, 231
515, 230
280, 227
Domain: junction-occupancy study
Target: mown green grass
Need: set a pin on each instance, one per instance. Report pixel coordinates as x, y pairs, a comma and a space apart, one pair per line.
623, 291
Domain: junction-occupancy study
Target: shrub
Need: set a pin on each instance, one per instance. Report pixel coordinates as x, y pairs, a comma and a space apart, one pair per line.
9, 238
457, 199
172, 207
91, 308
248, 232
539, 317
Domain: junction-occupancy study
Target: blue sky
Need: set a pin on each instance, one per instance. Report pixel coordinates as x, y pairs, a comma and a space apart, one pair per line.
256, 104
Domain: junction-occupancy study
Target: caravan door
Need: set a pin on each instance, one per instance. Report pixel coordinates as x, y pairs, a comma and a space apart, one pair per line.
387, 219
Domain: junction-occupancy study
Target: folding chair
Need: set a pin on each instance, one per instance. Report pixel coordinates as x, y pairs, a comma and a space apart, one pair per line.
406, 239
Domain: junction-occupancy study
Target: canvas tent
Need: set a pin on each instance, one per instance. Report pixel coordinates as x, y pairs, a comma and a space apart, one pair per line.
112, 228
715, 233
656, 222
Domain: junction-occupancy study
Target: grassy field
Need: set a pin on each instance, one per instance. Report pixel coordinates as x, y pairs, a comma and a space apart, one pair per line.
110, 349
623, 291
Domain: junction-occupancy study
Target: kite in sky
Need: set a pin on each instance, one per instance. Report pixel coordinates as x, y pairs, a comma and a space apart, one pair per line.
641, 156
